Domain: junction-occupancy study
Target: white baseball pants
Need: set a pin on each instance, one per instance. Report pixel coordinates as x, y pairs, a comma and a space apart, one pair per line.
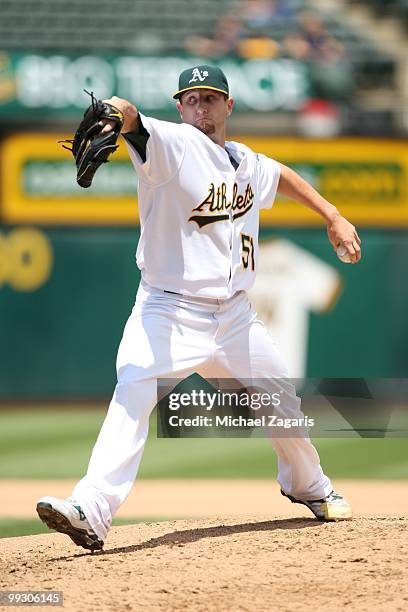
169, 335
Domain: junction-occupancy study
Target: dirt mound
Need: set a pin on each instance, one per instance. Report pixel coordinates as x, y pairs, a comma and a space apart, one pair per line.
223, 564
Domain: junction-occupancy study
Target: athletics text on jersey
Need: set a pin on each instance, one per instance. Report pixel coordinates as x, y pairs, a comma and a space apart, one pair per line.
215, 207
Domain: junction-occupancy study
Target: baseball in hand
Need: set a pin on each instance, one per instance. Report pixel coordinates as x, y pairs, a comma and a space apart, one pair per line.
343, 254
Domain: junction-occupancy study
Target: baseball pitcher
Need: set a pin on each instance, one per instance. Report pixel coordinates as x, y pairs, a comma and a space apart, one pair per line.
199, 202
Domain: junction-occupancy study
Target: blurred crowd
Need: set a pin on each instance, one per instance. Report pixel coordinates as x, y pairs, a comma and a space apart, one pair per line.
248, 31
259, 29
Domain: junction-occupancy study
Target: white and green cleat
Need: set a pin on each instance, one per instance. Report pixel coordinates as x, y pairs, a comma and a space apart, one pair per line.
66, 516
331, 508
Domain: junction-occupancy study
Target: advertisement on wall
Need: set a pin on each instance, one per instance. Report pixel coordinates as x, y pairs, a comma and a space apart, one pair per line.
366, 179
55, 83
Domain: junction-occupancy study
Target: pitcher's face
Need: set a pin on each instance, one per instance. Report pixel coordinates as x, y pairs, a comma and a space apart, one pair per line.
205, 109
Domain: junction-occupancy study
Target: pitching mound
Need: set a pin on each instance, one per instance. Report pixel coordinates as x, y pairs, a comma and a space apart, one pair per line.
221, 564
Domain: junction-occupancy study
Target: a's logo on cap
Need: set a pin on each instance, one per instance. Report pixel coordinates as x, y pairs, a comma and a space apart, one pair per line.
198, 76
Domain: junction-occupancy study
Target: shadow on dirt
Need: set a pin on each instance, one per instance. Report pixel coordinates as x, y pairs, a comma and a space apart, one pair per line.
177, 538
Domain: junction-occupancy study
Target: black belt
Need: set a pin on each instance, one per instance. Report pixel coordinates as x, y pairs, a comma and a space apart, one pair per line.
172, 292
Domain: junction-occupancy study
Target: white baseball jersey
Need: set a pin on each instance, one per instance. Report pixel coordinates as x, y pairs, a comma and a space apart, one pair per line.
199, 215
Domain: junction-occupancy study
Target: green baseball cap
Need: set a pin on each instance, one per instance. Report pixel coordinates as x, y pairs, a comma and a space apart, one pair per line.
202, 77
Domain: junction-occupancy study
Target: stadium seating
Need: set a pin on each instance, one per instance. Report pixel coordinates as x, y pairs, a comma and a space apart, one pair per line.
152, 25
101, 24
388, 8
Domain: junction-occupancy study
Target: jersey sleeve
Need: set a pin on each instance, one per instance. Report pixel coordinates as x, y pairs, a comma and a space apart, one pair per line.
164, 151
268, 180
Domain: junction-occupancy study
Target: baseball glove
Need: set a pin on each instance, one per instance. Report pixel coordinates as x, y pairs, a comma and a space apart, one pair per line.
89, 147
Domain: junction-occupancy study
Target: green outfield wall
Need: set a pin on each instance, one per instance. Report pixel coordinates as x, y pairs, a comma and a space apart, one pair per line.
66, 292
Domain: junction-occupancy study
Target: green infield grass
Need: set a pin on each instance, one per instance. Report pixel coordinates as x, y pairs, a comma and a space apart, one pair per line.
56, 443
